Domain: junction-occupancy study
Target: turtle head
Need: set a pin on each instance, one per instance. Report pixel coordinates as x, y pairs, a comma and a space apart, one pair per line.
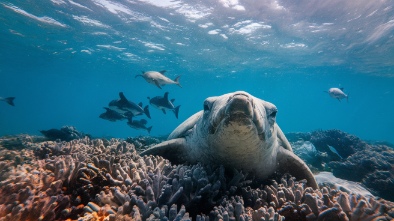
239, 116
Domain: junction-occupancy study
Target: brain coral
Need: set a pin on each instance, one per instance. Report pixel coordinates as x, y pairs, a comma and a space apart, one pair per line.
94, 179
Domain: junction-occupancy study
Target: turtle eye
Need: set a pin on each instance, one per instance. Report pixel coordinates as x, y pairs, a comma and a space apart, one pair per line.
270, 113
206, 106
273, 114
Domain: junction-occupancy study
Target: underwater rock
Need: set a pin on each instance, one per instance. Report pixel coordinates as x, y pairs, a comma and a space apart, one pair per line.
316, 160
66, 133
351, 159
345, 144
298, 136
98, 179
362, 163
381, 183
373, 167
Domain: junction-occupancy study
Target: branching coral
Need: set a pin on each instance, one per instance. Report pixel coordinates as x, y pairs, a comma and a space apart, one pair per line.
107, 180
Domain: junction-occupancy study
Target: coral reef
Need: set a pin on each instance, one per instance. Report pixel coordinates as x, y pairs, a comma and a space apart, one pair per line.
372, 167
368, 163
66, 133
346, 144
316, 160
143, 142
95, 179
18, 142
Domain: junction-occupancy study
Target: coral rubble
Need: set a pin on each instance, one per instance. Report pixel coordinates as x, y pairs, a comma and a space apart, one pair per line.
95, 179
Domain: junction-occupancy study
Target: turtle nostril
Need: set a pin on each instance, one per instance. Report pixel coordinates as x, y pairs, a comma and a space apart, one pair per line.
240, 103
206, 107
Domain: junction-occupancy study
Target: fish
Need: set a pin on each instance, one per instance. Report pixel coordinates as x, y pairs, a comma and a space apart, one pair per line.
122, 105
337, 93
112, 115
9, 100
158, 78
334, 151
164, 103
125, 112
139, 124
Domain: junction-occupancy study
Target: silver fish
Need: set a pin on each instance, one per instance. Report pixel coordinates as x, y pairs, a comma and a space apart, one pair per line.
334, 151
337, 93
158, 78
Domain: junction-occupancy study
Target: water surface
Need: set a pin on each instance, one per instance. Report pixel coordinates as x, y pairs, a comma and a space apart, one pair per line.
65, 60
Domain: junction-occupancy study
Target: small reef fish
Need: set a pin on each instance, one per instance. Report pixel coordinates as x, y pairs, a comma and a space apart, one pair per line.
9, 100
139, 124
123, 106
164, 103
158, 78
337, 93
112, 115
334, 151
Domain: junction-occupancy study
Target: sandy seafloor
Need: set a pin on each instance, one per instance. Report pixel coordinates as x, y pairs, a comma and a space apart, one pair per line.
106, 179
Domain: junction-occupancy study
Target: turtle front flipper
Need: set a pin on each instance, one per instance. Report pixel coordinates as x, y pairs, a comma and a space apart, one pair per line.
290, 163
175, 150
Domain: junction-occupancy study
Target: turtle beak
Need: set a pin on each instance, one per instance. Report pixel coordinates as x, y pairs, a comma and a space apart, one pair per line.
238, 108
240, 104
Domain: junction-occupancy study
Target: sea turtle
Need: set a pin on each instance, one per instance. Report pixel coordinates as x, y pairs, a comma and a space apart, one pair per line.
236, 130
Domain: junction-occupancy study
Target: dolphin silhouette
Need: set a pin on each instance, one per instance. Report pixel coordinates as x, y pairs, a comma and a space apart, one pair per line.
139, 124
164, 103
124, 105
9, 100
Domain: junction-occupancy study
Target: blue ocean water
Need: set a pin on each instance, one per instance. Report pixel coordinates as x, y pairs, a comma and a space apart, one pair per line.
65, 60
